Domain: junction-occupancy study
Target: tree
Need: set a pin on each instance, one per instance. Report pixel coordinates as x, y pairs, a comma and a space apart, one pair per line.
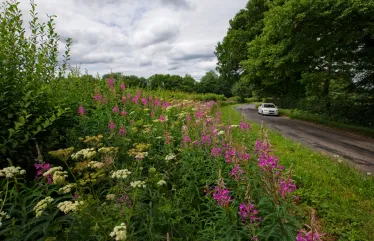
244, 27
242, 90
209, 83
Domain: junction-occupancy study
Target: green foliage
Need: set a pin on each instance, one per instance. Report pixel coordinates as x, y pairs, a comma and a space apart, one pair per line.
312, 55
242, 90
28, 64
244, 27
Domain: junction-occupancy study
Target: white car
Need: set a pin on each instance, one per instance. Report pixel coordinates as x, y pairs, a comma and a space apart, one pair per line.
268, 109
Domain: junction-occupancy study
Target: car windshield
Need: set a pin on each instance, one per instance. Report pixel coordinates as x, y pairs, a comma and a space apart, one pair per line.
269, 105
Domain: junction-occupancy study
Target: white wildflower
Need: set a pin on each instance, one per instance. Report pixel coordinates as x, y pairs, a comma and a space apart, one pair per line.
52, 170
87, 153
159, 137
59, 177
110, 196
3, 216
121, 174
141, 155
10, 172
369, 173
42, 205
57, 174
161, 182
233, 126
68, 206
96, 165
138, 184
67, 188
169, 157
119, 232
221, 133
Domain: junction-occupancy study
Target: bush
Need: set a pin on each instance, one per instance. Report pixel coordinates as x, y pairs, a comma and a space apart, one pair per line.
28, 66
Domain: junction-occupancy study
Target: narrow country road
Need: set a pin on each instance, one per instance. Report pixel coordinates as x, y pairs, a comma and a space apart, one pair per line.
357, 150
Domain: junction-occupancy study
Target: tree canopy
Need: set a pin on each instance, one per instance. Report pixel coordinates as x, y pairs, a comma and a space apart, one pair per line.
316, 55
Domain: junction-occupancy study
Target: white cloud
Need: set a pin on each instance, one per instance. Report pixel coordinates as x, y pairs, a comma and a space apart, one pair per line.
141, 37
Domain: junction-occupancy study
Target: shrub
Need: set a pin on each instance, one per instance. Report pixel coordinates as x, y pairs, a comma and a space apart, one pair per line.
28, 64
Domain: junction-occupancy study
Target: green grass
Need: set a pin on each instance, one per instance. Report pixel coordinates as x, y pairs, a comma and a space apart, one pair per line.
301, 115
342, 196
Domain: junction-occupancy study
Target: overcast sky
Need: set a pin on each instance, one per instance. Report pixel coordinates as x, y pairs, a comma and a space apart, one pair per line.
141, 37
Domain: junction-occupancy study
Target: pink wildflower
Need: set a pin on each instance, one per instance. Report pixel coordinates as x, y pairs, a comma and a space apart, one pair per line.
123, 98
110, 83
230, 154
162, 118
111, 125
286, 187
122, 86
165, 105
237, 172
199, 115
186, 139
244, 156
81, 110
216, 151
98, 97
261, 147
244, 126
145, 101
248, 212
268, 162
115, 109
122, 131
308, 236
205, 139
156, 102
222, 196
41, 168
123, 113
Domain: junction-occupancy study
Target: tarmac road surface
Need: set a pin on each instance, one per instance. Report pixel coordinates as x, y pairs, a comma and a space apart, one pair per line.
357, 150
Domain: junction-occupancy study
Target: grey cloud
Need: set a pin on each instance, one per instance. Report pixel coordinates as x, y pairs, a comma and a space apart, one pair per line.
178, 4
157, 34
190, 56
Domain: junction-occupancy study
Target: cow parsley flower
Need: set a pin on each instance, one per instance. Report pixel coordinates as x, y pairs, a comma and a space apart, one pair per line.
67, 188
10, 172
121, 174
170, 157
42, 205
139, 184
3, 215
161, 182
110, 197
58, 176
96, 165
119, 232
69, 206
87, 153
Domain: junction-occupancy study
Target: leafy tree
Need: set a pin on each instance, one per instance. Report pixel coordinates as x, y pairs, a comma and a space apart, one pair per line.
242, 90
244, 27
209, 83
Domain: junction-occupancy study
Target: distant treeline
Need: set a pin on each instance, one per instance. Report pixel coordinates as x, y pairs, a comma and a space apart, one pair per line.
207, 84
